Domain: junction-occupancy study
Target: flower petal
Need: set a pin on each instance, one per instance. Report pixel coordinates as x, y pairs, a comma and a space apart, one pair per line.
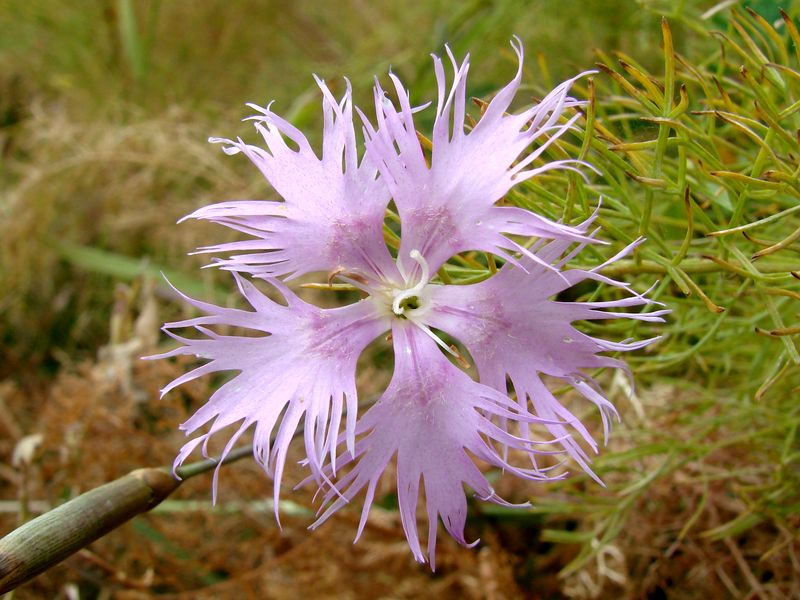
512, 327
304, 368
435, 419
333, 210
449, 207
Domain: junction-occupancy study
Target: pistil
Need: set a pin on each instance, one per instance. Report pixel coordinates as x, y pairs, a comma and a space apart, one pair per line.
409, 298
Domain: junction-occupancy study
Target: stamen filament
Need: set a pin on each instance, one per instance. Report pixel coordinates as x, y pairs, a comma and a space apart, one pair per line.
435, 337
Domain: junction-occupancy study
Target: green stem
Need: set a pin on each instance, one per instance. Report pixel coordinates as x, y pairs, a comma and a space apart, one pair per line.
204, 466
52, 537
689, 265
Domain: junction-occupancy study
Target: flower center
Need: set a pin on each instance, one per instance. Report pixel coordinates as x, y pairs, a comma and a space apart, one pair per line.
410, 303
408, 299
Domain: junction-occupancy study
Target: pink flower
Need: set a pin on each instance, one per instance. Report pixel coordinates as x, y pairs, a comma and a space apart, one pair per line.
433, 418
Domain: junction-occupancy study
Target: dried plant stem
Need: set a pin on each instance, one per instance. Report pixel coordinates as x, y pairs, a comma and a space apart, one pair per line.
52, 537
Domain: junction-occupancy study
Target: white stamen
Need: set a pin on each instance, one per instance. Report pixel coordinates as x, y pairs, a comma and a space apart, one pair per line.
402, 295
434, 337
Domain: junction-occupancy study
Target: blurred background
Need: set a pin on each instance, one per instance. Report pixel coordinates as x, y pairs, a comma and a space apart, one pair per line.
106, 107
105, 111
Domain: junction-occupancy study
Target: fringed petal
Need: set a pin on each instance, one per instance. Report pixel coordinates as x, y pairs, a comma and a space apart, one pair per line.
449, 206
434, 419
332, 215
513, 328
302, 371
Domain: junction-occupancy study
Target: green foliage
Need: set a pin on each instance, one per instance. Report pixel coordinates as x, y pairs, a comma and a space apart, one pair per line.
702, 159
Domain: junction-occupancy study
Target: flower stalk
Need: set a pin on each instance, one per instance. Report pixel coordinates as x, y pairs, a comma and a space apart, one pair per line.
57, 534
